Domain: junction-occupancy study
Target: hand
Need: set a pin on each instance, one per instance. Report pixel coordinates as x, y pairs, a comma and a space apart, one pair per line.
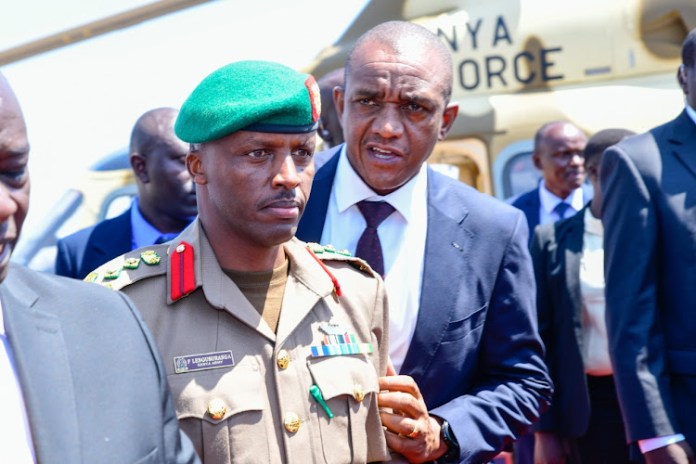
410, 430
676, 453
548, 449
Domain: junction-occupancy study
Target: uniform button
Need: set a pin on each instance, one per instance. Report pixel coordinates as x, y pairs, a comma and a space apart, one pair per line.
283, 359
217, 409
358, 393
291, 422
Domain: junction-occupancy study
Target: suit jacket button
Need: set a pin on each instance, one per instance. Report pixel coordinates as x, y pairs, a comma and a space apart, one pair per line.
291, 422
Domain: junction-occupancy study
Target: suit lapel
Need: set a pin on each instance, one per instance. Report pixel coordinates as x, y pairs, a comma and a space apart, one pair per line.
570, 241
683, 141
311, 225
44, 371
445, 249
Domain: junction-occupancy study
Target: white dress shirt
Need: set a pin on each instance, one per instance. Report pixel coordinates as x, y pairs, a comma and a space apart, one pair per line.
594, 328
402, 236
548, 202
16, 445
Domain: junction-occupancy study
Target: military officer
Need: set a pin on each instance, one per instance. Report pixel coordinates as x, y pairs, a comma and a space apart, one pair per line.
273, 346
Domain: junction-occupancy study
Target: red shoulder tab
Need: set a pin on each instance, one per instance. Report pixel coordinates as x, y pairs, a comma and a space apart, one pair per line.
182, 271
334, 280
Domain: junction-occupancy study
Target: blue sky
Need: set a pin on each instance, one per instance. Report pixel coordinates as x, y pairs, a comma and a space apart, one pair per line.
81, 101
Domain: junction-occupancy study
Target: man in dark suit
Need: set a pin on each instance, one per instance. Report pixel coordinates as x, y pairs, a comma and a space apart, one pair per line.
166, 201
456, 263
561, 193
584, 422
80, 374
649, 215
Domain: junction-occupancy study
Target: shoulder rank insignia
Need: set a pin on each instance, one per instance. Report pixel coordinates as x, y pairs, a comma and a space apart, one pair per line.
182, 271
131, 263
150, 257
329, 252
112, 274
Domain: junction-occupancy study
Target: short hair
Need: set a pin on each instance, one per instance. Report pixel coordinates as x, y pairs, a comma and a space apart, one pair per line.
541, 132
604, 139
395, 33
151, 128
689, 49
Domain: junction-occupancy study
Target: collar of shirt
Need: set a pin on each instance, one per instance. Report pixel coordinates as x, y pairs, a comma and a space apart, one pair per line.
143, 233
407, 199
593, 225
549, 200
691, 112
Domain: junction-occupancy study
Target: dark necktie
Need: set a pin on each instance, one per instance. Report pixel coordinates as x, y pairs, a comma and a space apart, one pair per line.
165, 238
369, 248
561, 209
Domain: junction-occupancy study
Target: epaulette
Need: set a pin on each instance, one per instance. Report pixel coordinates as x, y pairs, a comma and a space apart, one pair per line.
330, 253
130, 267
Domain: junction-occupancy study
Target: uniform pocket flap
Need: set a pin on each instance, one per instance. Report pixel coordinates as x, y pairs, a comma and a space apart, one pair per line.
344, 375
216, 395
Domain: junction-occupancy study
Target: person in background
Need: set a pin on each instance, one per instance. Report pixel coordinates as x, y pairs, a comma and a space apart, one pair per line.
274, 345
164, 205
584, 423
562, 192
456, 262
80, 375
330, 129
649, 216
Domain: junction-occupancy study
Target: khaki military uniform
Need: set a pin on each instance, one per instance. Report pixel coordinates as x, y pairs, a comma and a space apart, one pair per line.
243, 393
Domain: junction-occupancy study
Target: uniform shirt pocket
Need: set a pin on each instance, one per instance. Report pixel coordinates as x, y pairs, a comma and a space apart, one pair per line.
348, 385
221, 410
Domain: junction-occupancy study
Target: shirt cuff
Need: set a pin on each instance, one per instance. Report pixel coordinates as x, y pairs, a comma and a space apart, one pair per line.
650, 444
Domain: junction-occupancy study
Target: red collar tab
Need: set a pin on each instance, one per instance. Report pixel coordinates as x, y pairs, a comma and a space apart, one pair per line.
334, 280
182, 271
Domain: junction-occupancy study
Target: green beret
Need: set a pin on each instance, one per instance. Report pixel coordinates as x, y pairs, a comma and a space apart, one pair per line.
258, 96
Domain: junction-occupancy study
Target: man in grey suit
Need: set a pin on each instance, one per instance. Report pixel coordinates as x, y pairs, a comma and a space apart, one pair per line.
649, 214
456, 261
80, 376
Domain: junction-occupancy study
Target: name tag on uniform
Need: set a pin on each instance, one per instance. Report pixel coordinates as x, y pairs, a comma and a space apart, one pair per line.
203, 361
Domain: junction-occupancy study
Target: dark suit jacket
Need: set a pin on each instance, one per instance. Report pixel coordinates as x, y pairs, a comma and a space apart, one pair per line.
556, 251
87, 249
530, 203
475, 353
93, 383
649, 215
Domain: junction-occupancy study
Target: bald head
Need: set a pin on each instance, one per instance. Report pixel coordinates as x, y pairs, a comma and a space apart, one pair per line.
405, 39
14, 178
152, 128
166, 195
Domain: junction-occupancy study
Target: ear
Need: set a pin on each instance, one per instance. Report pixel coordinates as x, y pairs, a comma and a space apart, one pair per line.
339, 102
194, 164
536, 160
681, 78
448, 118
139, 165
